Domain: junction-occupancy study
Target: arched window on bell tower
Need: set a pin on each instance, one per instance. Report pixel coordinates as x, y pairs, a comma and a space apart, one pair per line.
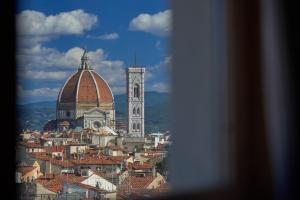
134, 112
136, 92
133, 127
138, 111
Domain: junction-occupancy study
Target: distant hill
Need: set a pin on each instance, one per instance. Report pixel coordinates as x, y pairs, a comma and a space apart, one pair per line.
35, 115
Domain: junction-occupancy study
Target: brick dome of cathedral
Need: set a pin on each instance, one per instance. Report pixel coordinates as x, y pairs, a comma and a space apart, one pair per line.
86, 87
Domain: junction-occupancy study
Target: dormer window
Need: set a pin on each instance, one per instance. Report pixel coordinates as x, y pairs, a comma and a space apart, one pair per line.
136, 92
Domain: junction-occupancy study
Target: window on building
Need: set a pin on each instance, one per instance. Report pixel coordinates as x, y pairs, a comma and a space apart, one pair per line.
134, 112
138, 111
68, 113
133, 126
138, 126
136, 91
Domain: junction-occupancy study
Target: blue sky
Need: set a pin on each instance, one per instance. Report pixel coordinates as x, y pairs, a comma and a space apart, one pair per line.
51, 35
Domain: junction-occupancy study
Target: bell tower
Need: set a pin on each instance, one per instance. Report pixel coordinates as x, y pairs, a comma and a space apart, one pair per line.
135, 101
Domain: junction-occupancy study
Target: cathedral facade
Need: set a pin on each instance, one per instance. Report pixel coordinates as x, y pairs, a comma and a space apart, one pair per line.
85, 100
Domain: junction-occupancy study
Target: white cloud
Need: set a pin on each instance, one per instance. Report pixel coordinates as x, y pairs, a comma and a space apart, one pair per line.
39, 92
157, 76
37, 63
109, 36
49, 75
155, 70
157, 24
34, 27
159, 87
42, 57
35, 23
118, 89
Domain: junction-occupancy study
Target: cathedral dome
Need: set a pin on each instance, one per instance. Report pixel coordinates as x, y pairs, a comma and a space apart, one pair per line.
86, 88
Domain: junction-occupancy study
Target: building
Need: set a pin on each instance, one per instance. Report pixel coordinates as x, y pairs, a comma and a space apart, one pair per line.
131, 144
76, 150
28, 173
85, 100
115, 151
135, 101
103, 136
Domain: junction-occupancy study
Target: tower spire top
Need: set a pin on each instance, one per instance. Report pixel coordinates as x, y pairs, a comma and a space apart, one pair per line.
84, 59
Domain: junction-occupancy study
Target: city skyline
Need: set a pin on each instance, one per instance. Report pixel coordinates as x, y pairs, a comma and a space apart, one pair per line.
51, 37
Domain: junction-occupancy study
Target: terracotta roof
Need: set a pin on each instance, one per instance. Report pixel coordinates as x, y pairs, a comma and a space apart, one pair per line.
68, 92
140, 182
25, 169
118, 158
40, 155
56, 184
63, 163
86, 87
32, 145
87, 90
139, 166
92, 151
99, 160
106, 95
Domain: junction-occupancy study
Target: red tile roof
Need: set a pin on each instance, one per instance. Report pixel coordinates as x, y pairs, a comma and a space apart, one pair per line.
99, 160
41, 156
140, 182
139, 166
56, 184
31, 145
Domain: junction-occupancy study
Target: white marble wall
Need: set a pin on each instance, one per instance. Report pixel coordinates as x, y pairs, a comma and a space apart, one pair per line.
135, 105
